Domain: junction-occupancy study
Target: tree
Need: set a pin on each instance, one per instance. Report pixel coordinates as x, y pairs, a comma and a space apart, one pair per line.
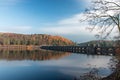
105, 16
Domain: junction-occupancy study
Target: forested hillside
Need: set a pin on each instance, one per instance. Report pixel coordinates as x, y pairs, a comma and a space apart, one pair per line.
33, 39
102, 43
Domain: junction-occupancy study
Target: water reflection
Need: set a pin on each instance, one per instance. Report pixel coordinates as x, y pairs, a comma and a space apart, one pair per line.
31, 54
48, 65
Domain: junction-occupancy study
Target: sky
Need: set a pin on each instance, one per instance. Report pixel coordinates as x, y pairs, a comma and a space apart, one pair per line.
54, 17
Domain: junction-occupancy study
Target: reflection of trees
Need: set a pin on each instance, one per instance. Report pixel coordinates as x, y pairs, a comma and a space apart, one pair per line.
31, 54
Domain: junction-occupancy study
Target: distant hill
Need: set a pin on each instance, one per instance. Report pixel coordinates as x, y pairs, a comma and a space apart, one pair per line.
102, 43
32, 39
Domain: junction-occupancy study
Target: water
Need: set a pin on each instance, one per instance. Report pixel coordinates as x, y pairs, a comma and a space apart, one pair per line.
49, 65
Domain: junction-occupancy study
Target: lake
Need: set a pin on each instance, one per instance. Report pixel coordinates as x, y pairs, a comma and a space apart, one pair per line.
49, 65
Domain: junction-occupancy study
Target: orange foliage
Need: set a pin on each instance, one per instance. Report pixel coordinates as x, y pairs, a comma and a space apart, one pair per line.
32, 39
30, 47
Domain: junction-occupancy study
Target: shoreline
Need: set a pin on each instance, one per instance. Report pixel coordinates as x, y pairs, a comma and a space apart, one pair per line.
116, 73
19, 47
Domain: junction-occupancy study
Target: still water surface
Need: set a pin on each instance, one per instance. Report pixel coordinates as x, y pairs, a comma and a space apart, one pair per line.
49, 65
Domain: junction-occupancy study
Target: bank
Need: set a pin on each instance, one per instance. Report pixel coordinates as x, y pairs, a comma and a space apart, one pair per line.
18, 47
116, 73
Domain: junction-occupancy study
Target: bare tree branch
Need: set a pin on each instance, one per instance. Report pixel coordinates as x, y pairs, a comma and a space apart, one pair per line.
105, 15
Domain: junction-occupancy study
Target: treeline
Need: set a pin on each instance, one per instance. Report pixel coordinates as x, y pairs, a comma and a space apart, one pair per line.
102, 43
32, 39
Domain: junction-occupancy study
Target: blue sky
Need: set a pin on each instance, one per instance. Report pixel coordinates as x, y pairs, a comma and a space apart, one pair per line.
56, 17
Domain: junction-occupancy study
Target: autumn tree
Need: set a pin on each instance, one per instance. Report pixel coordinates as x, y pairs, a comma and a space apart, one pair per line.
33, 39
104, 15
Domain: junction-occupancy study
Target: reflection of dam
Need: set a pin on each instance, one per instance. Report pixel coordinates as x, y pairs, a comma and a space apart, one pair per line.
83, 49
31, 54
